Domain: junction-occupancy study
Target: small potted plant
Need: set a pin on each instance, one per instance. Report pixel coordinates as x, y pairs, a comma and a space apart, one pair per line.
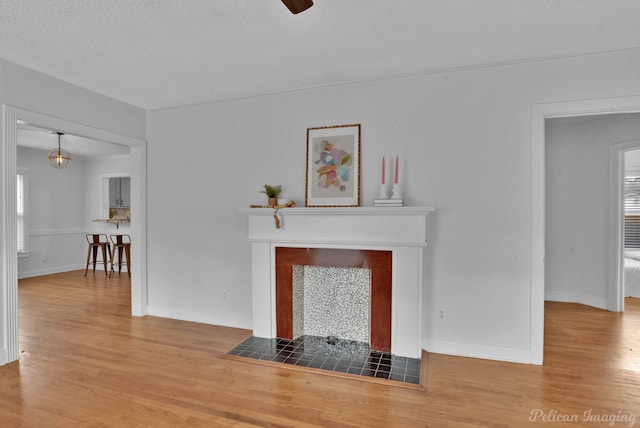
272, 193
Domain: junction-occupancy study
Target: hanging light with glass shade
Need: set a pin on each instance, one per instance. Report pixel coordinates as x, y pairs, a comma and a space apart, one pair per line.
59, 158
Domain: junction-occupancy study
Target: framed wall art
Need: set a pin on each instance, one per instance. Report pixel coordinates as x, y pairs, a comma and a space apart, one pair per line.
333, 166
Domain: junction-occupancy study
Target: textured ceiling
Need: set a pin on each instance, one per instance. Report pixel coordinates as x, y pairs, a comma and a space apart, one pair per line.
165, 53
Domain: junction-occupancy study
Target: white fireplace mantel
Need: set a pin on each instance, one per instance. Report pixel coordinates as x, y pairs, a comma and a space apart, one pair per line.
401, 230
366, 225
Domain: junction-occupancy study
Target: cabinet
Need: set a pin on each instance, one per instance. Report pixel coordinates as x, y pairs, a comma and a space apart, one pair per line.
119, 192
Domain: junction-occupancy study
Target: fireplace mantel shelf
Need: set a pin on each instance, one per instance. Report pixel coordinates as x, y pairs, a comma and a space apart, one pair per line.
404, 226
332, 211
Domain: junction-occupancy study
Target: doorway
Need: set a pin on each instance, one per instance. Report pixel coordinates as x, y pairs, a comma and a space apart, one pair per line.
61, 205
539, 114
631, 211
579, 202
8, 248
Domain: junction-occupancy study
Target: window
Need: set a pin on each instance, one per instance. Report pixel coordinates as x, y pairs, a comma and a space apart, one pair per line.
632, 212
22, 210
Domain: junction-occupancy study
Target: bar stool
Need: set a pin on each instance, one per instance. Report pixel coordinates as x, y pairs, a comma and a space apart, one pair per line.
121, 244
97, 240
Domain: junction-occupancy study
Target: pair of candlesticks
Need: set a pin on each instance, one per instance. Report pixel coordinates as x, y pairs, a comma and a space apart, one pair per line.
395, 192
395, 188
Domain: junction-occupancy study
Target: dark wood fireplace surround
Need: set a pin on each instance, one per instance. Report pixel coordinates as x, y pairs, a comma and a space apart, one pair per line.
380, 263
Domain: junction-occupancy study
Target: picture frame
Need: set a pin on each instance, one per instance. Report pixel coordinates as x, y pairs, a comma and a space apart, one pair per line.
333, 166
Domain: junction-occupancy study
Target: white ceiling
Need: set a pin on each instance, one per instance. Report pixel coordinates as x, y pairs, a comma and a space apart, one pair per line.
165, 53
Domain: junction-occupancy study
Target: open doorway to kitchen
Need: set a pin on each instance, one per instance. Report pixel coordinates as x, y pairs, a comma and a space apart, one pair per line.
8, 249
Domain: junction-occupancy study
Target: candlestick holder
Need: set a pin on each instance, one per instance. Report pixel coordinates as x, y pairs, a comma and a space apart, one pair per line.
395, 191
383, 194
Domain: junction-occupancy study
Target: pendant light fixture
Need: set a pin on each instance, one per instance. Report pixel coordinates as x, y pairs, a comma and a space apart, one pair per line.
59, 158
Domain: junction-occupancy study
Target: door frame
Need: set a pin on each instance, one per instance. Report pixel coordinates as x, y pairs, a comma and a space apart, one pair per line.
617, 167
8, 246
539, 113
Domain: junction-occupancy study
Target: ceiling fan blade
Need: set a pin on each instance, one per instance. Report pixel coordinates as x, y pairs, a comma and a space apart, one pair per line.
297, 6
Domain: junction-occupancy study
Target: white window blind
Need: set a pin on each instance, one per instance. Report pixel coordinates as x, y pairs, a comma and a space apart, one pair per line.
632, 212
22, 210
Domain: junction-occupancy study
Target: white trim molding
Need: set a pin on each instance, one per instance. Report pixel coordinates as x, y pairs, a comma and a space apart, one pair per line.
485, 352
206, 318
9, 245
616, 290
49, 271
56, 232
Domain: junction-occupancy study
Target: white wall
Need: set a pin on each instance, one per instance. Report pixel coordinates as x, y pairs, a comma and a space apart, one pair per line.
29, 90
577, 205
56, 215
464, 141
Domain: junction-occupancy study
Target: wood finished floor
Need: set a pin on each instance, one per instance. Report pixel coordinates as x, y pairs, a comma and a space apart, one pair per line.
86, 362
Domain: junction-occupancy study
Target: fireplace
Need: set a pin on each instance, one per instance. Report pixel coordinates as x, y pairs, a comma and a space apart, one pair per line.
389, 241
379, 262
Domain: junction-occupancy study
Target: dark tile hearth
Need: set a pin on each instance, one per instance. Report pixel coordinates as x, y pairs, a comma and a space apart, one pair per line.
344, 356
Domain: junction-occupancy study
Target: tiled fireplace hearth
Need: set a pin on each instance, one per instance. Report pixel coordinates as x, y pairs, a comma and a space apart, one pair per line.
379, 292
388, 241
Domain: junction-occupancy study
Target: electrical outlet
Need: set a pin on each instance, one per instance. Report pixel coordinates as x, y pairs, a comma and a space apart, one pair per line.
225, 295
441, 314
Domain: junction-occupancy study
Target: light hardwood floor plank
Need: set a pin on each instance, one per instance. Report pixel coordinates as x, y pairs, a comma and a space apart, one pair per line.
85, 361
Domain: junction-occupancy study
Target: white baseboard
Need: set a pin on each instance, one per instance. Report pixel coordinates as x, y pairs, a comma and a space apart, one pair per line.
49, 270
485, 352
583, 299
201, 317
3, 357
560, 296
594, 301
